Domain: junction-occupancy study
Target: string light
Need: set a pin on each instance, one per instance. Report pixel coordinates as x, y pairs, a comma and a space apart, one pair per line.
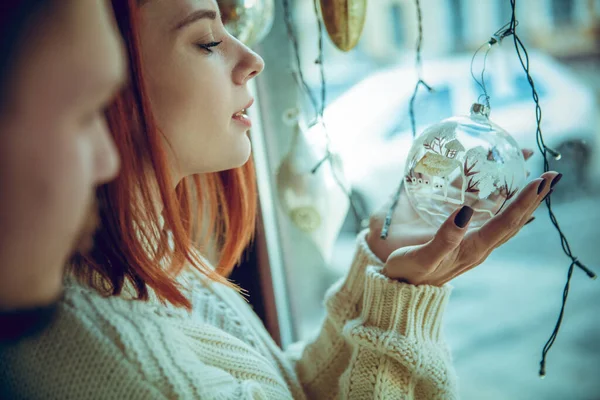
319, 109
411, 112
507, 30
524, 60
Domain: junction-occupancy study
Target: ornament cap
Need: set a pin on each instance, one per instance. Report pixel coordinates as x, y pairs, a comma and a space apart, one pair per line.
480, 109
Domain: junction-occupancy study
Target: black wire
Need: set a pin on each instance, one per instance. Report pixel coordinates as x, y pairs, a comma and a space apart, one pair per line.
524, 60
497, 37
287, 15
481, 83
419, 68
554, 334
318, 109
411, 113
321, 110
320, 61
358, 213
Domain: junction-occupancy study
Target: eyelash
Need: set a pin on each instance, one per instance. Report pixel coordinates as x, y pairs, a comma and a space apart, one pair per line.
207, 46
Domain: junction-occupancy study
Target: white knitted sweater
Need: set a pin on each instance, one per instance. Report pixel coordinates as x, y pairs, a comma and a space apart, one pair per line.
381, 339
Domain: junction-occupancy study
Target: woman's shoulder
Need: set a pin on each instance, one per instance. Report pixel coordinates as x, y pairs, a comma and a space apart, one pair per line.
87, 321
121, 327
89, 342
98, 346
103, 307
100, 341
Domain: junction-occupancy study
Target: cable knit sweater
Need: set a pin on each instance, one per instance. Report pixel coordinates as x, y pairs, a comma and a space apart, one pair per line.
381, 339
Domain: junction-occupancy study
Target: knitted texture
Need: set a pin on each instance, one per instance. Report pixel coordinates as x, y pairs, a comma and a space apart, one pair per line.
380, 339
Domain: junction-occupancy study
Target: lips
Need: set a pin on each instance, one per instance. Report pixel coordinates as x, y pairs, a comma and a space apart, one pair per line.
242, 117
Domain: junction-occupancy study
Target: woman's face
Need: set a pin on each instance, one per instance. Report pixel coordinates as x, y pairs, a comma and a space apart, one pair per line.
197, 76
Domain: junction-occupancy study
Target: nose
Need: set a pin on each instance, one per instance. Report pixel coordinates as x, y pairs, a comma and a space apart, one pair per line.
249, 66
106, 156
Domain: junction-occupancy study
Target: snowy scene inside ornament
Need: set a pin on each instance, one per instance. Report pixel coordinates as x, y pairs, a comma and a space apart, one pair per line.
464, 160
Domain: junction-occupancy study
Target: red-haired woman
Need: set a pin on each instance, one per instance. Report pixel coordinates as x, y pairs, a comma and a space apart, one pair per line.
147, 316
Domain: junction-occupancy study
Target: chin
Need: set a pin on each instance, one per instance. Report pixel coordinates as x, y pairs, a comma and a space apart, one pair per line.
228, 156
242, 154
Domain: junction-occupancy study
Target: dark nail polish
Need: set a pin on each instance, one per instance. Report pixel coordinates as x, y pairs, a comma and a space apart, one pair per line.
556, 179
548, 194
529, 220
463, 217
541, 187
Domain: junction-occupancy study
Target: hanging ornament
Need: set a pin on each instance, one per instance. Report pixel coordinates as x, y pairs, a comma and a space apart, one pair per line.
464, 160
344, 20
248, 21
314, 200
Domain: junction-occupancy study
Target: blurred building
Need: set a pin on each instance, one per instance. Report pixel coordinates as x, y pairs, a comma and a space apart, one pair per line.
559, 27
562, 28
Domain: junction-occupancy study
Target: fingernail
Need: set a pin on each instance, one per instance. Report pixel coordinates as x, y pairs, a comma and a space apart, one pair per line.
529, 220
463, 217
542, 186
556, 179
548, 194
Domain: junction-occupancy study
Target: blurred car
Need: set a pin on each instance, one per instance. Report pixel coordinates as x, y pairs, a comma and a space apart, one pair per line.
370, 127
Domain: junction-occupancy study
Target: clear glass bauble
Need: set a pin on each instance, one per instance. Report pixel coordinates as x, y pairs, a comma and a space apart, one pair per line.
464, 160
248, 21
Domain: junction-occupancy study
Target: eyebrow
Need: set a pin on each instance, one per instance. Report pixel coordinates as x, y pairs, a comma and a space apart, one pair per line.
195, 16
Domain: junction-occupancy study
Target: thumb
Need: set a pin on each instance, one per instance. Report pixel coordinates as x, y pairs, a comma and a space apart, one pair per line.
449, 236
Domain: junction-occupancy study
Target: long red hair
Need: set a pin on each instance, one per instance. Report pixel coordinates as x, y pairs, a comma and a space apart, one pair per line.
135, 237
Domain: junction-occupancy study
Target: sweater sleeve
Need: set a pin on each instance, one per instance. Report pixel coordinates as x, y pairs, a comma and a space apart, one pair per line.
380, 339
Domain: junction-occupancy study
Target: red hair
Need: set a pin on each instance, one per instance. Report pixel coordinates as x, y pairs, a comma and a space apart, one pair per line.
225, 202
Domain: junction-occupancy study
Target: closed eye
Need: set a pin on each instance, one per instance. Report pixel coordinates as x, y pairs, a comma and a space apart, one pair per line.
207, 46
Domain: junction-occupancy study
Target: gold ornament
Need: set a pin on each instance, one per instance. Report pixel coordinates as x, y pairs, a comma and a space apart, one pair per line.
344, 20
248, 20
306, 218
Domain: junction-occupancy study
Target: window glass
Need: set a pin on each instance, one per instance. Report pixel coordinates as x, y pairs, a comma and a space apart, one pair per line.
501, 314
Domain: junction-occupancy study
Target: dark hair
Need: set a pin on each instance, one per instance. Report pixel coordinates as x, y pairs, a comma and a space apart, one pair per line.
15, 16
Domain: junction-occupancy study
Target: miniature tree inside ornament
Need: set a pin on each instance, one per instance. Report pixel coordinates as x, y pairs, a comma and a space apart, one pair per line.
464, 160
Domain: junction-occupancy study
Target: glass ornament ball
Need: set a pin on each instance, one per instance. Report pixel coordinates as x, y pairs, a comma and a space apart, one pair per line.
463, 160
248, 21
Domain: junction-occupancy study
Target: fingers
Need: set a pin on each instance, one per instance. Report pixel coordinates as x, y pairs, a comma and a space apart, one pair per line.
494, 230
505, 225
552, 179
447, 238
500, 229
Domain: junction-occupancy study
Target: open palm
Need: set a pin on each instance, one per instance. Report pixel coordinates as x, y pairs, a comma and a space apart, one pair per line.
413, 248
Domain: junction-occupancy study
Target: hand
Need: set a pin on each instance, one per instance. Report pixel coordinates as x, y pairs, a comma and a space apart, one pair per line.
417, 254
407, 227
